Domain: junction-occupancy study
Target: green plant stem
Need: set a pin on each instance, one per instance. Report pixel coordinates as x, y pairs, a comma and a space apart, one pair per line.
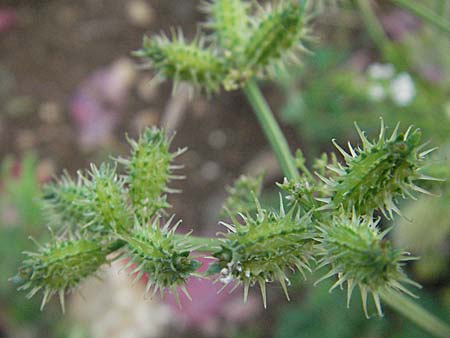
200, 244
416, 314
425, 14
204, 244
271, 129
373, 26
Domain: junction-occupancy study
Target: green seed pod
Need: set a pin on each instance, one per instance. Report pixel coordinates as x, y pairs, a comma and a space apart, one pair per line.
379, 173
59, 267
61, 201
301, 192
230, 21
356, 253
273, 41
106, 201
264, 248
241, 196
164, 257
184, 62
149, 171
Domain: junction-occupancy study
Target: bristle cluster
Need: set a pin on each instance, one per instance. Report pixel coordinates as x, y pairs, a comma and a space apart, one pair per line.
101, 200
181, 61
300, 192
243, 43
106, 201
277, 33
378, 173
61, 202
230, 21
264, 248
355, 251
101, 206
110, 212
242, 195
149, 170
59, 267
154, 250
95, 203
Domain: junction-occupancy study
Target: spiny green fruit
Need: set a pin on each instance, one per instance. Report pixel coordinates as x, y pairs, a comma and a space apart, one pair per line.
307, 190
301, 192
276, 35
277, 31
356, 252
61, 201
159, 253
378, 174
149, 169
106, 200
180, 61
263, 248
241, 196
230, 21
60, 266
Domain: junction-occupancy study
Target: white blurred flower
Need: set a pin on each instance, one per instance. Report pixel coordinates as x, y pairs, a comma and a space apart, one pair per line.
376, 92
119, 310
378, 71
402, 89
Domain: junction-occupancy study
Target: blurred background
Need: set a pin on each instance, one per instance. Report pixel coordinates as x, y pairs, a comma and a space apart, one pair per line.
70, 90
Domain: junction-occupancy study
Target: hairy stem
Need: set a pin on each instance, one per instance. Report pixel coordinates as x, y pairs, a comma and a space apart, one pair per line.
373, 26
416, 314
425, 14
271, 129
200, 244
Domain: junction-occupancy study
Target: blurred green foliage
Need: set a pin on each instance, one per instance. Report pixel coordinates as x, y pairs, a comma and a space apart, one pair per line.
425, 230
324, 314
21, 216
326, 95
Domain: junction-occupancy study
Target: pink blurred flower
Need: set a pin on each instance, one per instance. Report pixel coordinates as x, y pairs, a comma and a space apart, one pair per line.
98, 103
8, 19
398, 24
208, 307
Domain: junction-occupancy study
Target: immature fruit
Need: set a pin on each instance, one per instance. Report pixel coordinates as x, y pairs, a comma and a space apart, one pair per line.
149, 170
180, 61
264, 248
157, 252
60, 266
378, 174
356, 252
61, 202
106, 201
271, 43
242, 195
230, 21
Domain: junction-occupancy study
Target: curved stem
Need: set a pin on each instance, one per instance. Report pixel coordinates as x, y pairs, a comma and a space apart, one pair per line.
425, 14
416, 314
271, 130
373, 26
